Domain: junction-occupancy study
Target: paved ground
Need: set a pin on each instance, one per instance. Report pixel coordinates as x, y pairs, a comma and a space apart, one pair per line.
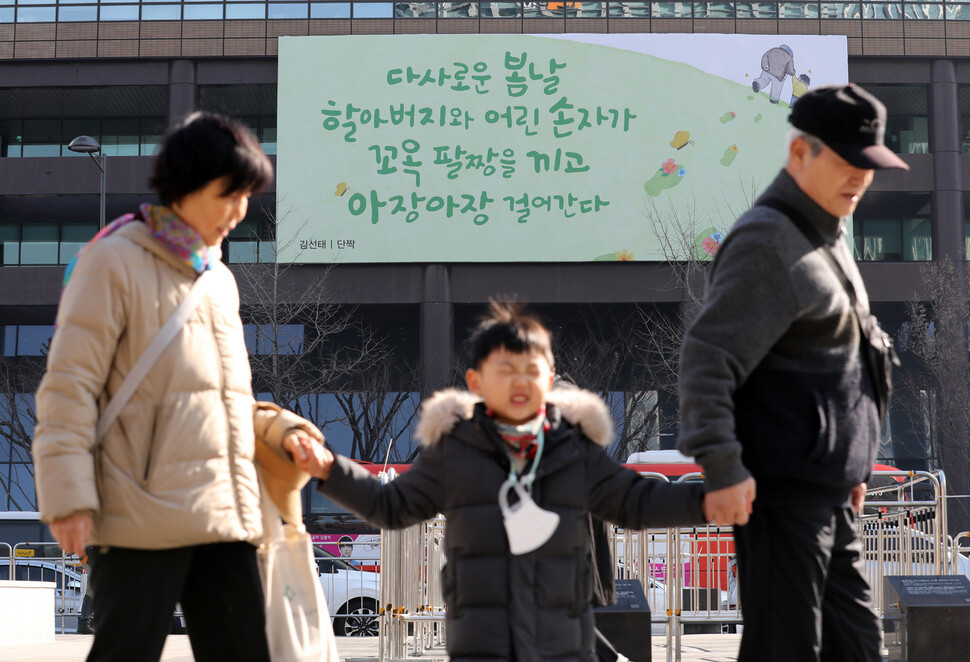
74, 648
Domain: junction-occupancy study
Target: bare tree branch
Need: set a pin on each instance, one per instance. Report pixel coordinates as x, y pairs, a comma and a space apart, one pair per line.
936, 399
304, 345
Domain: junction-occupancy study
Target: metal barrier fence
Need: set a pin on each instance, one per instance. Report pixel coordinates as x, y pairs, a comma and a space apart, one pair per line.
688, 573
9, 563
959, 553
44, 561
411, 562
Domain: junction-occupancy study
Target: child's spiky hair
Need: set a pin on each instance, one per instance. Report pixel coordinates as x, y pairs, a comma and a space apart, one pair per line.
508, 325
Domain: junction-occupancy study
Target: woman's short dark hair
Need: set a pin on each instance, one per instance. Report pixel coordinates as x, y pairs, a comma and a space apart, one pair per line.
508, 325
206, 146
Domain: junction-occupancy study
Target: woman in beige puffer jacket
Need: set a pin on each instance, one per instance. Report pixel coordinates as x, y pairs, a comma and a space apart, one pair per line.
170, 496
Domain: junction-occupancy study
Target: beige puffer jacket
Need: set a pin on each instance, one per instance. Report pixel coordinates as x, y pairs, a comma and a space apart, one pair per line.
176, 468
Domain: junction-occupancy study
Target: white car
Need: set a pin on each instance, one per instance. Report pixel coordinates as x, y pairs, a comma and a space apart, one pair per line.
352, 595
67, 577
69, 587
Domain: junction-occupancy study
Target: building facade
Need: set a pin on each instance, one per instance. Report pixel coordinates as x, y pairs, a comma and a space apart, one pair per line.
123, 71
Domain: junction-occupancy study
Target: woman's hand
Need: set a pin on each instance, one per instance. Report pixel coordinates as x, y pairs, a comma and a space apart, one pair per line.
72, 532
308, 454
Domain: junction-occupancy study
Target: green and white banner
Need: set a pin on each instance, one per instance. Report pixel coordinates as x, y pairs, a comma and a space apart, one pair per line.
520, 148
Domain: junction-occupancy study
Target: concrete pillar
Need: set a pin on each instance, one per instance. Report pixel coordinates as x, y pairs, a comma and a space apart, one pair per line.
182, 90
436, 328
944, 118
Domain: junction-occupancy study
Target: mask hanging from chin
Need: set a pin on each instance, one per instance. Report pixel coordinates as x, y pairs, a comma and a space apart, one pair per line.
527, 526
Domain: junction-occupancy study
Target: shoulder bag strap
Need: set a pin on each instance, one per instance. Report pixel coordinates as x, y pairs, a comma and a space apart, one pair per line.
815, 238
154, 350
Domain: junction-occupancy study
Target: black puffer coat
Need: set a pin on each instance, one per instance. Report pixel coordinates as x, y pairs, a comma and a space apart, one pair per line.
502, 607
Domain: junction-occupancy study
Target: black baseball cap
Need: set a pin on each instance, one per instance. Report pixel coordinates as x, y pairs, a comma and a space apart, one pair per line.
850, 121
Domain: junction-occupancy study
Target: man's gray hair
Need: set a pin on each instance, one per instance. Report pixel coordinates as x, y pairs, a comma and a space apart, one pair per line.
814, 142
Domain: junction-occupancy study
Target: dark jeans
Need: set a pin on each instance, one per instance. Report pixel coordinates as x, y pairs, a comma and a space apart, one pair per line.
803, 591
218, 585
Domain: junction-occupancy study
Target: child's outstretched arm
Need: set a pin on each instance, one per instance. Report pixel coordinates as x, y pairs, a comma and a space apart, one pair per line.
622, 496
412, 497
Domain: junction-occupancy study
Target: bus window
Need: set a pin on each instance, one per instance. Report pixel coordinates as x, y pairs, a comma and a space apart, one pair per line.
324, 516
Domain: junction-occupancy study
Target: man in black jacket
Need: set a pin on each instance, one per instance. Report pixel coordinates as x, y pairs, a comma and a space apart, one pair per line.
775, 392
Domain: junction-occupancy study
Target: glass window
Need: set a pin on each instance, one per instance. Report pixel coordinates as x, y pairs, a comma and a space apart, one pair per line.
242, 252
267, 139
840, 10
797, 10
38, 252
881, 10
917, 240
39, 245
245, 10
89, 13
629, 9
202, 12
36, 2
376, 9
10, 341
6, 14
449, 10
325, 515
41, 232
246, 229
413, 9
923, 11
757, 10
288, 10
963, 101
152, 130
22, 496
713, 10
507, 9
33, 340
161, 12
957, 12
11, 252
120, 137
119, 13
42, 138
880, 240
891, 226
267, 252
265, 338
670, 10
907, 127
82, 232
330, 10
36, 14
11, 136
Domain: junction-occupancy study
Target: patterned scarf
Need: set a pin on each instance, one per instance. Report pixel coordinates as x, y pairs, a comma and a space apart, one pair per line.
521, 439
171, 231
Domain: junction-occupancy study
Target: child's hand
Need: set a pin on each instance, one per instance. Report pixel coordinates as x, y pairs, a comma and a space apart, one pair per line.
308, 454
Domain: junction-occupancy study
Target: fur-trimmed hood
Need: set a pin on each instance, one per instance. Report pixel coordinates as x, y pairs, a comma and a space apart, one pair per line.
443, 410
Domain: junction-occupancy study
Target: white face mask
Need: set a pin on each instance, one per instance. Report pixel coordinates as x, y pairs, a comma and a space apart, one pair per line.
527, 526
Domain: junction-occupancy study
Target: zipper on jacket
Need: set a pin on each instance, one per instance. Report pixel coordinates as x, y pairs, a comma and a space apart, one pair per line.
151, 446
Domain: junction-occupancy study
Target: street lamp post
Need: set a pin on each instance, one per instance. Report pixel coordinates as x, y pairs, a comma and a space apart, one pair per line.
90, 146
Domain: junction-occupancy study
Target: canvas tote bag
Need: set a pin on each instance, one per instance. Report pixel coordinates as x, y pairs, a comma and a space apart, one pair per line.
297, 620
